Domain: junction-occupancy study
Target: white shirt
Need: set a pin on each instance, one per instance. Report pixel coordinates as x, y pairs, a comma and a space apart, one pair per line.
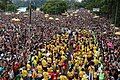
11, 74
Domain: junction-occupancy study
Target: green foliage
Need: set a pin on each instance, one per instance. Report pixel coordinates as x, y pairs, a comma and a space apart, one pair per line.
54, 7
77, 5
11, 7
107, 8
32, 7
3, 4
7, 5
25, 3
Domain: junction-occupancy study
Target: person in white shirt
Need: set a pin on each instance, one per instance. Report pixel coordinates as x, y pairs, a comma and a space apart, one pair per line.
11, 74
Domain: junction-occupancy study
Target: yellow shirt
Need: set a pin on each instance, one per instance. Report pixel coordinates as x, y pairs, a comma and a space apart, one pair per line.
96, 61
91, 69
24, 73
81, 74
62, 77
95, 75
70, 74
82, 47
44, 63
28, 66
34, 74
39, 68
34, 62
39, 54
85, 61
45, 75
84, 78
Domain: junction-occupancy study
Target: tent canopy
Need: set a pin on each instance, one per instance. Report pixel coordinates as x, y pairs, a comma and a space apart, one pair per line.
46, 15
16, 19
51, 18
117, 33
96, 17
57, 19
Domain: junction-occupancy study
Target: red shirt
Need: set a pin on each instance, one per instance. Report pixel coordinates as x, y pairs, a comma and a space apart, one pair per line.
54, 75
3, 78
16, 66
64, 65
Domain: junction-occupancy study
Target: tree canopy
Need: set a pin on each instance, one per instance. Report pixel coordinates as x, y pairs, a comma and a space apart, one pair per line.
7, 5
54, 6
108, 8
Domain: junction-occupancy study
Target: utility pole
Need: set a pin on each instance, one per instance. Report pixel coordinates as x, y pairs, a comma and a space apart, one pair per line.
30, 12
116, 13
29, 28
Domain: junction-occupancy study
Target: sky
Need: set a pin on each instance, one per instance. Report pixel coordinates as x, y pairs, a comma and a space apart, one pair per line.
79, 0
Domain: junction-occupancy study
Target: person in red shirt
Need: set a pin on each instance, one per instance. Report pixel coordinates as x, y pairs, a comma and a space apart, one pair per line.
54, 75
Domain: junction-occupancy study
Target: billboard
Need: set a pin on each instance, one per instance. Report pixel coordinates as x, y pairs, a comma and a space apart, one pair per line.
96, 9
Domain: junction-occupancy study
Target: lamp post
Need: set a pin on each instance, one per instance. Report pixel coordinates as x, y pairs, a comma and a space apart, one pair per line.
116, 13
30, 12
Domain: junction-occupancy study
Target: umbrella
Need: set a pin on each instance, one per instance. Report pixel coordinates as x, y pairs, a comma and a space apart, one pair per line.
57, 19
51, 18
16, 19
112, 25
37, 9
7, 13
46, 15
75, 15
75, 12
96, 17
25, 16
88, 11
117, 33
65, 14
71, 14
116, 28
17, 13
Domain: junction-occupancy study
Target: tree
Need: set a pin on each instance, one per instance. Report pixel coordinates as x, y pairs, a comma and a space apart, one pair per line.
32, 7
108, 8
11, 7
54, 6
7, 5
3, 4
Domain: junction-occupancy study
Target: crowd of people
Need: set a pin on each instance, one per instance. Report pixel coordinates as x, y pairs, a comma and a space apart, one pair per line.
63, 58
75, 46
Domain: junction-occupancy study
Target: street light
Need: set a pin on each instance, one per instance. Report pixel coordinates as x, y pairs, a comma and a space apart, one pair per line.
116, 13
30, 12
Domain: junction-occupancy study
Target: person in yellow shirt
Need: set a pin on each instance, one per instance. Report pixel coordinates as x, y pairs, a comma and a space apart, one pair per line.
70, 74
89, 54
95, 75
91, 69
24, 73
49, 60
85, 61
39, 54
34, 63
44, 64
39, 69
84, 77
81, 73
63, 77
28, 66
45, 76
96, 61
34, 74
